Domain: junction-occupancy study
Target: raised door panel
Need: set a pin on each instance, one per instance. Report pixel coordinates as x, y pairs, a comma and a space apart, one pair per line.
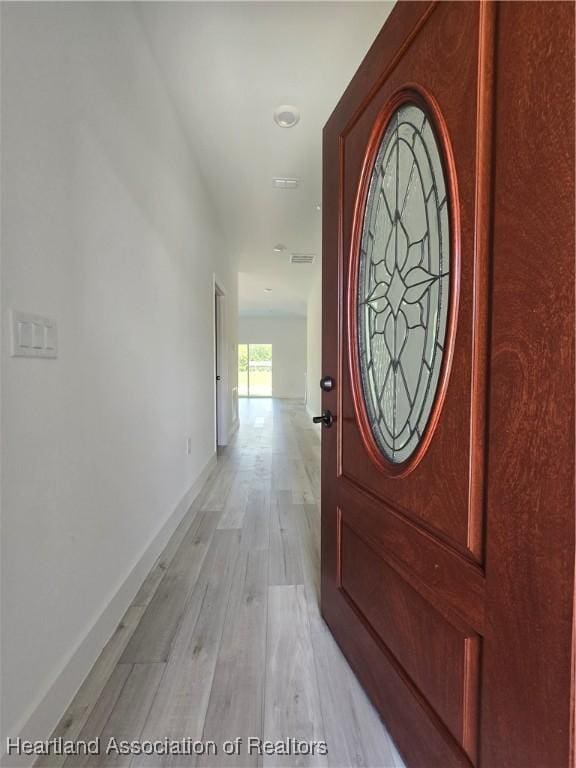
439, 658
438, 485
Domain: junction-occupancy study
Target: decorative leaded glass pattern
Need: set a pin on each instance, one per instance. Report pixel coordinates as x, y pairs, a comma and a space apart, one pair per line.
403, 285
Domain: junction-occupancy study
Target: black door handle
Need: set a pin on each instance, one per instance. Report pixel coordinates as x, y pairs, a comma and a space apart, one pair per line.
327, 383
326, 419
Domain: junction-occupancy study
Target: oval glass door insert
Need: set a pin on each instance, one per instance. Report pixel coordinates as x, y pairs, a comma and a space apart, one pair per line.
403, 283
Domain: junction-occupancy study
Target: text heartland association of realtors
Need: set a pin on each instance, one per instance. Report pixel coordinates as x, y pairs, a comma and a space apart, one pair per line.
252, 745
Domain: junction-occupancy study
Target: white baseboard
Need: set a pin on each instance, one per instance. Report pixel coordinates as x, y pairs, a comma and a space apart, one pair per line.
50, 705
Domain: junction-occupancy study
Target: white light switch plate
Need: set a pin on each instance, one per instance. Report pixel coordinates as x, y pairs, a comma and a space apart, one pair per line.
33, 335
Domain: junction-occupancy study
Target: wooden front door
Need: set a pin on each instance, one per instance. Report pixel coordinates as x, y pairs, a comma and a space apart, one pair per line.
448, 473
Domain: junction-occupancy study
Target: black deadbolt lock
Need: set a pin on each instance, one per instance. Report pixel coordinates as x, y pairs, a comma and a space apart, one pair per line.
327, 383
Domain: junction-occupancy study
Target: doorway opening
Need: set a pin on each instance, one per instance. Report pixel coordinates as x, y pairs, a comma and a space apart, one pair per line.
220, 368
255, 370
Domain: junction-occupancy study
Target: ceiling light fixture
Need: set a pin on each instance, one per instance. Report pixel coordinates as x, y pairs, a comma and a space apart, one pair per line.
280, 248
318, 207
267, 290
286, 116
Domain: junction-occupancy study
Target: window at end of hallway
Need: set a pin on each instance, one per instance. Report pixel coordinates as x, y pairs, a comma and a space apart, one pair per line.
255, 370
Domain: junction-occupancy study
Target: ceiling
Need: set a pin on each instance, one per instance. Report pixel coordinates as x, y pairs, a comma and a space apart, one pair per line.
228, 65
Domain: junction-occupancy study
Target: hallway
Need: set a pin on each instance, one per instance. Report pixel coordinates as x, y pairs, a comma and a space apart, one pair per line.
225, 638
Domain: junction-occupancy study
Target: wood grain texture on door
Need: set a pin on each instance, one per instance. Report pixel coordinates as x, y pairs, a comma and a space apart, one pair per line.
448, 579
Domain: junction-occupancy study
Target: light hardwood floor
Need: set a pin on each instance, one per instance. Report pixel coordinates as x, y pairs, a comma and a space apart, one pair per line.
225, 637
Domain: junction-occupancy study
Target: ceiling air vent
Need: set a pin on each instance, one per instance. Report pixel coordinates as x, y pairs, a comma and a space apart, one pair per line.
302, 258
282, 182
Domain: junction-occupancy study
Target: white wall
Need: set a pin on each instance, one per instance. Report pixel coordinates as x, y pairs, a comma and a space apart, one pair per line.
287, 334
314, 346
107, 228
